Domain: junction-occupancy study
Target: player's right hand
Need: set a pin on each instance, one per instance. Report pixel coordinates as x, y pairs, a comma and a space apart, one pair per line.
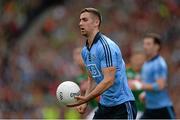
82, 108
142, 97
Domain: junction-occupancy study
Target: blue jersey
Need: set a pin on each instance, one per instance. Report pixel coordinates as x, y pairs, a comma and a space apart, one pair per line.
102, 54
153, 70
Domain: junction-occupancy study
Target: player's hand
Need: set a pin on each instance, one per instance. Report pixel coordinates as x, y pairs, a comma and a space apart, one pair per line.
80, 100
142, 97
82, 108
131, 85
135, 84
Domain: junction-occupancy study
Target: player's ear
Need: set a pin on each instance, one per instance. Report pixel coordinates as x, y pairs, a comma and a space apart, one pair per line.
97, 22
157, 47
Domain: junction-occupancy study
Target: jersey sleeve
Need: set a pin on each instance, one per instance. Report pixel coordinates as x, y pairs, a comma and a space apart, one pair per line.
161, 71
107, 57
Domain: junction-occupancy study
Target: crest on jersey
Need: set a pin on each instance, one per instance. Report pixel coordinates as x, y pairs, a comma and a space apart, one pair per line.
93, 70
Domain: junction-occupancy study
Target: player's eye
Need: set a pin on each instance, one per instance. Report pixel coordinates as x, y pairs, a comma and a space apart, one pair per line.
84, 19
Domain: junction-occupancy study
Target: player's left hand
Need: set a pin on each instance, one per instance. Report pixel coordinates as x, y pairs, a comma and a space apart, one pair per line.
80, 100
136, 85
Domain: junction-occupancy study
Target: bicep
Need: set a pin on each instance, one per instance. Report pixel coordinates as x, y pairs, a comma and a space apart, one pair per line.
161, 76
161, 83
109, 73
161, 72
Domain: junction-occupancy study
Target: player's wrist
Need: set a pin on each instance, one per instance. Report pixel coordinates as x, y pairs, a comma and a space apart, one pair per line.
155, 86
86, 104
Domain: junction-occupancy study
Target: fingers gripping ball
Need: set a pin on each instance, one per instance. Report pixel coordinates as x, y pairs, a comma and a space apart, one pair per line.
66, 92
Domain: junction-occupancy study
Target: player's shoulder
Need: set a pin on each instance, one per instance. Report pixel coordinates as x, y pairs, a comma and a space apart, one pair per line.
108, 42
160, 63
83, 48
107, 39
159, 59
83, 51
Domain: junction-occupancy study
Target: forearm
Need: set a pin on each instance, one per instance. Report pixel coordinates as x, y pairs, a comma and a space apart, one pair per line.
147, 87
90, 86
100, 88
108, 81
156, 86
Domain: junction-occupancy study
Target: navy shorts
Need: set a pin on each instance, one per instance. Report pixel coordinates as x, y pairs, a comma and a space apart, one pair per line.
125, 110
161, 113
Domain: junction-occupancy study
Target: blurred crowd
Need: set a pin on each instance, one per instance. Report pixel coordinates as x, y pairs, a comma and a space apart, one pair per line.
38, 39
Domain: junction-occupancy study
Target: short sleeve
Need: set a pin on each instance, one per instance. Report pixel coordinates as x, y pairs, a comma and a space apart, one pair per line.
161, 71
107, 57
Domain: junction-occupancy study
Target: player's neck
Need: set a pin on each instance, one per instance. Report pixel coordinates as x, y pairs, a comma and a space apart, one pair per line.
91, 37
149, 57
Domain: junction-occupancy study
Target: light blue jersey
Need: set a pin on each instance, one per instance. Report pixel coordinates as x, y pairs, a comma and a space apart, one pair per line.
153, 70
102, 54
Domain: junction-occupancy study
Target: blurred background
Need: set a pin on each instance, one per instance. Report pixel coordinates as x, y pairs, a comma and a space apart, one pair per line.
39, 41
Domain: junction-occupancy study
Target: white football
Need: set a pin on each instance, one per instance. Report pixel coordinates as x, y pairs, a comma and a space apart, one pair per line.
66, 92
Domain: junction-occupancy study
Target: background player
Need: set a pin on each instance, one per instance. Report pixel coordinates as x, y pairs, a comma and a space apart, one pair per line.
104, 62
154, 76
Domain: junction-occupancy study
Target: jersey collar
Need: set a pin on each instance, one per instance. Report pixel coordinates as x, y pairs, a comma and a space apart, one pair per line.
153, 58
96, 38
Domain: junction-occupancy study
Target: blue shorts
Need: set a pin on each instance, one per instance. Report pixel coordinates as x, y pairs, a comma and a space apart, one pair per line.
161, 113
125, 110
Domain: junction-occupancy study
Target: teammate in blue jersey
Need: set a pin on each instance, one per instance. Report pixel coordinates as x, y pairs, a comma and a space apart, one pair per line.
154, 76
106, 67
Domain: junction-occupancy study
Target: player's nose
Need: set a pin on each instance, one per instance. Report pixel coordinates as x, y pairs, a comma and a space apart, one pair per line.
80, 23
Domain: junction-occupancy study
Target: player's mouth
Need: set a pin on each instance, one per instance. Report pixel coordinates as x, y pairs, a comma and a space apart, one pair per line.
82, 29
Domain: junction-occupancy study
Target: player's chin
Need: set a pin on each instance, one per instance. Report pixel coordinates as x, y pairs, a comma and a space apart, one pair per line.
148, 53
84, 34
82, 112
